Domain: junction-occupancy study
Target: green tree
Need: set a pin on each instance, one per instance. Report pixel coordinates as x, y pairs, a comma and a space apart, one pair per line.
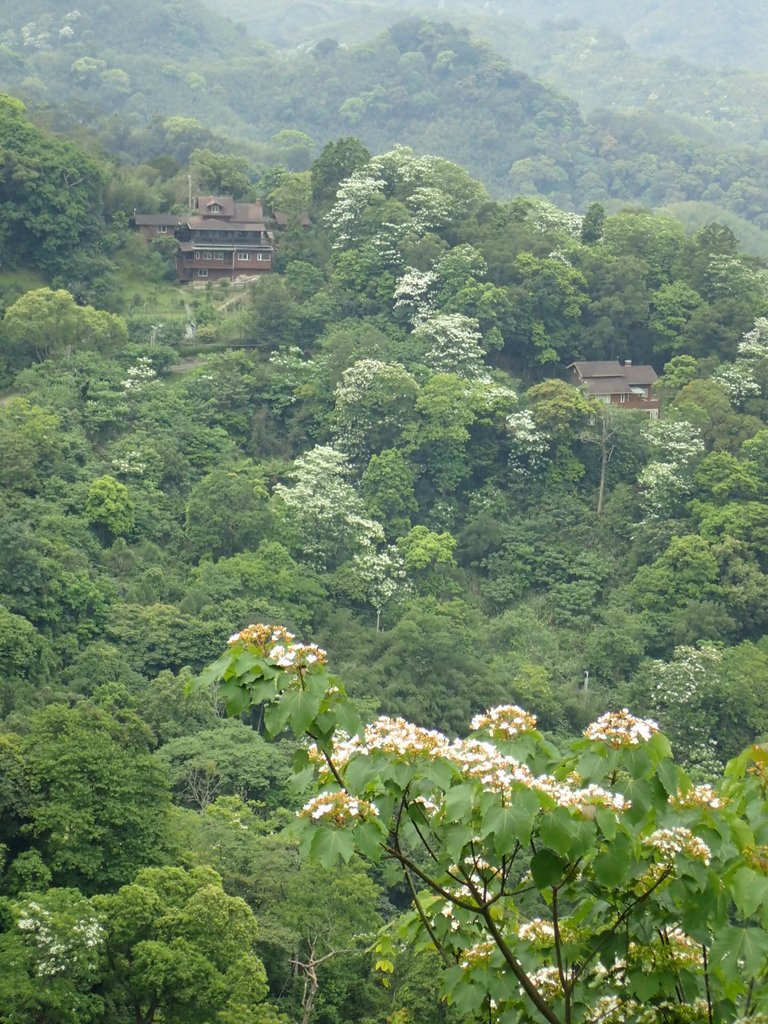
227, 512
109, 507
387, 487
587, 882
43, 324
428, 559
30, 437
92, 801
182, 950
220, 173
338, 160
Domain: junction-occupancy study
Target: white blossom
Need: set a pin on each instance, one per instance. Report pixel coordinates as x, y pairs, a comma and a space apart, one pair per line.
755, 342
738, 381
454, 344
529, 447
139, 375
621, 729
414, 294
339, 809
670, 842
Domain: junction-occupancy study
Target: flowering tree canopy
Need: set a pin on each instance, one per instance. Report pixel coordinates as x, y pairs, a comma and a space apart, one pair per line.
599, 884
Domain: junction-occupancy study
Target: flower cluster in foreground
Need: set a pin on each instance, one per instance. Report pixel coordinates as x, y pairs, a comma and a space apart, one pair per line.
672, 841
277, 643
505, 722
697, 796
621, 729
340, 809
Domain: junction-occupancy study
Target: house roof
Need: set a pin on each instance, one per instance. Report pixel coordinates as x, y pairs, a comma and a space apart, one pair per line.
226, 206
229, 210
611, 370
209, 224
248, 212
143, 220
607, 386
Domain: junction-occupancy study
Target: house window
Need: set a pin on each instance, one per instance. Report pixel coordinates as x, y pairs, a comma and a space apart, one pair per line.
202, 272
197, 255
219, 255
207, 255
243, 255
215, 208
263, 256
162, 229
622, 398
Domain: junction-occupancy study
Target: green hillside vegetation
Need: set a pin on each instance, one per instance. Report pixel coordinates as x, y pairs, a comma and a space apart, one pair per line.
720, 36
587, 52
395, 468
425, 84
377, 447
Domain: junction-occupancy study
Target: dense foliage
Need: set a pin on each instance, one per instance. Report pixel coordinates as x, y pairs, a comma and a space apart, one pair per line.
652, 896
422, 83
378, 447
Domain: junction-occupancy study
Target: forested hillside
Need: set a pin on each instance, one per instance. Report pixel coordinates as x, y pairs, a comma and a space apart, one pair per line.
416, 796
380, 452
718, 35
423, 84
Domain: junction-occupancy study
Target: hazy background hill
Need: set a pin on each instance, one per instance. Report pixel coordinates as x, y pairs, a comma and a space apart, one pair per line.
563, 108
720, 33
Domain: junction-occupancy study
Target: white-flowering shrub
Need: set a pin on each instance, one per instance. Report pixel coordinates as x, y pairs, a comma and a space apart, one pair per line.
414, 294
63, 941
374, 402
454, 344
666, 481
674, 441
352, 199
662, 487
755, 342
139, 375
529, 446
680, 694
545, 216
325, 511
738, 381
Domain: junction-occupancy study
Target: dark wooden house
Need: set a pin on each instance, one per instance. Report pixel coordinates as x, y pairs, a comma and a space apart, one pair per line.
221, 239
626, 385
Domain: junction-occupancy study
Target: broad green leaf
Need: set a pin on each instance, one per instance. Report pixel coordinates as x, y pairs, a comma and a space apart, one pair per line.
606, 822
347, 717
358, 773
261, 690
669, 775
210, 675
582, 839
247, 661
643, 986
300, 780
331, 845
276, 717
749, 890
301, 708
615, 864
458, 802
557, 830
468, 998
508, 826
235, 698
369, 837
455, 838
547, 869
